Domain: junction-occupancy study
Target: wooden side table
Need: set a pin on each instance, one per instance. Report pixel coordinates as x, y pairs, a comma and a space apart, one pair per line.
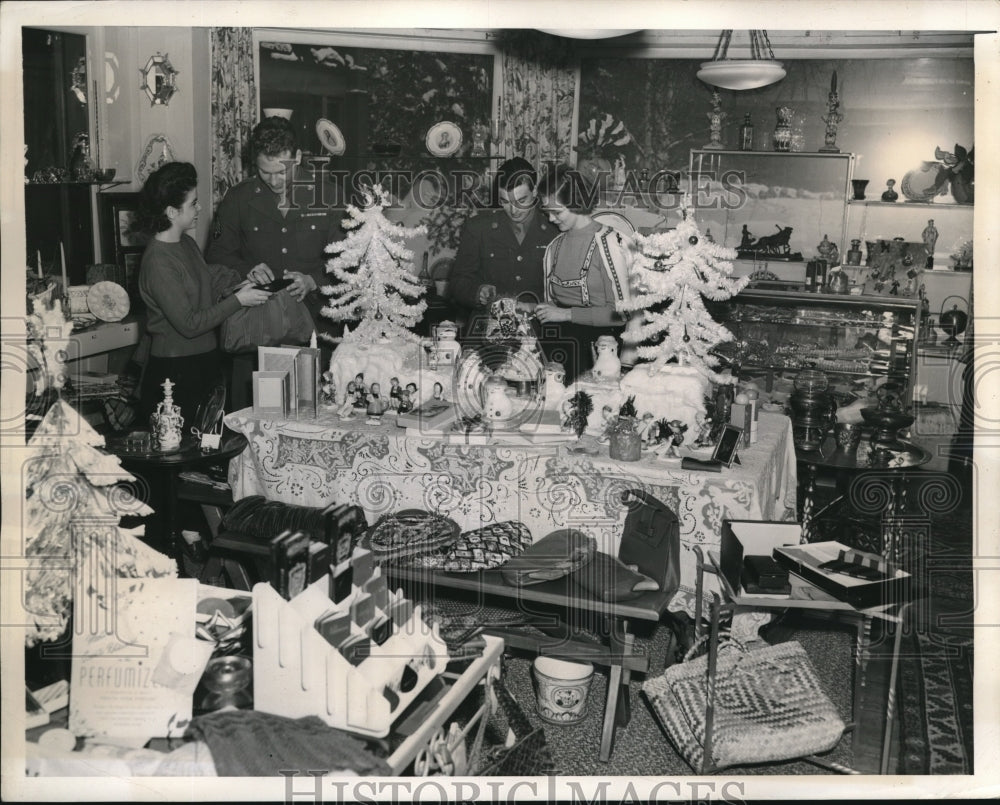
860, 474
167, 466
808, 597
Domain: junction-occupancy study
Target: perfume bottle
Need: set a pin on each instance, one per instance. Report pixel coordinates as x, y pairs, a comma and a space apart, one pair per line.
746, 134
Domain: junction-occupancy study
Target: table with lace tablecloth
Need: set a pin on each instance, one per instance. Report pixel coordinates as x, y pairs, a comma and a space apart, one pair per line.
315, 461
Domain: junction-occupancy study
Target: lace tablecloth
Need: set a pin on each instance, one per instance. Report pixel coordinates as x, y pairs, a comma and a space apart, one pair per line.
318, 461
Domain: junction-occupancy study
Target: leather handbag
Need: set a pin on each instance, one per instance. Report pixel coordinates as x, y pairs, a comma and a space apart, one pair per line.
651, 540
608, 579
552, 557
280, 320
769, 705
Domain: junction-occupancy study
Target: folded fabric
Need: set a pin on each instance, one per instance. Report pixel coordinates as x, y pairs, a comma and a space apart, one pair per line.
249, 743
481, 549
552, 557
609, 579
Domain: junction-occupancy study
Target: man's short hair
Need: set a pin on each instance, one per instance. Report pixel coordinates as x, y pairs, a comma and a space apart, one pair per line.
512, 173
272, 137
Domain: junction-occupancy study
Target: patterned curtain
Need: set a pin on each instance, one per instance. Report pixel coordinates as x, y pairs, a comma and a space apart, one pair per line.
234, 106
539, 79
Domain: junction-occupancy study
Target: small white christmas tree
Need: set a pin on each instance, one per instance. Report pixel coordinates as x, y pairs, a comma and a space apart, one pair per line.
376, 283
677, 268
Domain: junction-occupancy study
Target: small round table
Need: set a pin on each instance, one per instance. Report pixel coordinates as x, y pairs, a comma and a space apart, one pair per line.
849, 468
188, 456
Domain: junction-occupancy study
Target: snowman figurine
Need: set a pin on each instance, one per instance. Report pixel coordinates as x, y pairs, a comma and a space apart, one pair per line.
497, 406
607, 366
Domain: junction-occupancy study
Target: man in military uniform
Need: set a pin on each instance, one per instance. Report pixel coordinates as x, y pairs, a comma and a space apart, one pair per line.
275, 224
500, 252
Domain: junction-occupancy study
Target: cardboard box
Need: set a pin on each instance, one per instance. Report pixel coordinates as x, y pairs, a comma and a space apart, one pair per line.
861, 593
752, 538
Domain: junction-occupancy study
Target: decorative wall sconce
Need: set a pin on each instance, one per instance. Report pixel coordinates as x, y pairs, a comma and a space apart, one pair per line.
159, 79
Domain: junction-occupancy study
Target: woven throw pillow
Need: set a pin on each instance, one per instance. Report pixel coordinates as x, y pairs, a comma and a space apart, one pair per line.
481, 549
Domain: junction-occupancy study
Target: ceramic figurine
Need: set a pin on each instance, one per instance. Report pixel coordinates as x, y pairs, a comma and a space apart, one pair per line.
376, 403
166, 423
677, 431
607, 365
930, 236
406, 396
327, 391
497, 405
394, 389
555, 384
648, 431
445, 349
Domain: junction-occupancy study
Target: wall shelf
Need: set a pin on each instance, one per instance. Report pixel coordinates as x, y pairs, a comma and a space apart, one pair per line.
946, 205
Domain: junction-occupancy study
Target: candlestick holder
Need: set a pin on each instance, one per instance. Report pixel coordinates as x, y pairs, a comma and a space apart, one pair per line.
832, 118
715, 117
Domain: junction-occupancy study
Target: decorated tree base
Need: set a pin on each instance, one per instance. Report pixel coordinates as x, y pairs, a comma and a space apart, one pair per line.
380, 363
668, 392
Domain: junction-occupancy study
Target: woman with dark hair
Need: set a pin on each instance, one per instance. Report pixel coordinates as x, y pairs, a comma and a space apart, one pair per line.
186, 299
586, 270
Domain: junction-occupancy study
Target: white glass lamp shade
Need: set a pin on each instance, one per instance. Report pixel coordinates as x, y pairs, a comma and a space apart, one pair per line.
741, 73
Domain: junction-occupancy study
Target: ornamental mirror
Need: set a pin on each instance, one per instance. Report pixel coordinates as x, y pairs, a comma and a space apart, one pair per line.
158, 80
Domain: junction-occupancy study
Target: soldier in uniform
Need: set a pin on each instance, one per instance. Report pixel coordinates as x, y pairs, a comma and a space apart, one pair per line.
500, 252
275, 224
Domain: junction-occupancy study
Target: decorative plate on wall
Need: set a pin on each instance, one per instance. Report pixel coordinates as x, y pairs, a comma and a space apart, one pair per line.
331, 137
158, 151
444, 139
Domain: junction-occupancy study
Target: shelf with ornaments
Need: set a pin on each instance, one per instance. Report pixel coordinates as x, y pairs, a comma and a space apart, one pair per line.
775, 208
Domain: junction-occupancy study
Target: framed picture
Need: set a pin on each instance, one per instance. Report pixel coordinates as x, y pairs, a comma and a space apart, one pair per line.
119, 243
725, 450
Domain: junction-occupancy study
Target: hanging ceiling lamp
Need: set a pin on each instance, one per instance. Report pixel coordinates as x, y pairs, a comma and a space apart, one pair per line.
759, 70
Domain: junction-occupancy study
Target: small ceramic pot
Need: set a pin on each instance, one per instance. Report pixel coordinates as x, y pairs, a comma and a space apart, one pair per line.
625, 446
859, 186
562, 688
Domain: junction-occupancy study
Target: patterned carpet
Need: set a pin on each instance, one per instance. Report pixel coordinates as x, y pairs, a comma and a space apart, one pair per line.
936, 675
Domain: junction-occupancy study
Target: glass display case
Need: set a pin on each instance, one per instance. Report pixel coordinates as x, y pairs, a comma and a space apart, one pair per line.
861, 343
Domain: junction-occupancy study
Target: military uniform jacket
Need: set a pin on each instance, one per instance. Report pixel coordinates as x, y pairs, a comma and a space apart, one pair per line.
250, 229
489, 254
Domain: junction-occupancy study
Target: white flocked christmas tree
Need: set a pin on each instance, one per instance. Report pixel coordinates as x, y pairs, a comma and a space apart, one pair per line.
376, 283
671, 273
74, 496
